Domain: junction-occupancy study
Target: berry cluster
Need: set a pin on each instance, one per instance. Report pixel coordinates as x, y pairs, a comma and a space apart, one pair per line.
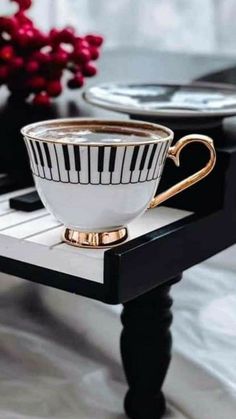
32, 63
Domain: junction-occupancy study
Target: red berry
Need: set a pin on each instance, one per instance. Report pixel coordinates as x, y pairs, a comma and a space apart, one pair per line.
8, 24
81, 56
24, 4
76, 82
81, 43
41, 99
67, 35
41, 57
94, 53
4, 72
30, 33
32, 66
6, 53
22, 19
95, 40
54, 36
16, 63
36, 83
89, 70
39, 39
59, 58
22, 38
54, 88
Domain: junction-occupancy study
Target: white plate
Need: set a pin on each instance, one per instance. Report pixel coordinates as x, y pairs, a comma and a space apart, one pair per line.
196, 101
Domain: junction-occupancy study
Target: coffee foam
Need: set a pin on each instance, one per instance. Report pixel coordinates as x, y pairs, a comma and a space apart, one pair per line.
86, 136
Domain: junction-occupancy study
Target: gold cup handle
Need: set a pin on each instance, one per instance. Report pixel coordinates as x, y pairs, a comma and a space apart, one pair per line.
174, 154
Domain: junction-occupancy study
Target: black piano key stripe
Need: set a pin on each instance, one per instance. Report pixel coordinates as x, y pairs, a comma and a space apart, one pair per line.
143, 159
58, 169
152, 156
32, 159
66, 157
41, 161
101, 151
77, 159
48, 157
89, 166
152, 163
134, 158
40, 154
112, 159
34, 152
157, 163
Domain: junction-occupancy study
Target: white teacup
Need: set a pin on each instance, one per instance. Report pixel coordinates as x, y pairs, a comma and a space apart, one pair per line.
96, 176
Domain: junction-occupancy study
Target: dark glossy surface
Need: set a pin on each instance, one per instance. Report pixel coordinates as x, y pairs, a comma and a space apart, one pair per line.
27, 202
146, 351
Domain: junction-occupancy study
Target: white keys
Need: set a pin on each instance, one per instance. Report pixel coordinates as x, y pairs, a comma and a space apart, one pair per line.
63, 173
32, 227
18, 217
31, 157
73, 174
84, 178
155, 162
144, 172
39, 158
47, 170
34, 158
136, 172
116, 175
106, 175
160, 157
54, 159
4, 208
126, 175
94, 173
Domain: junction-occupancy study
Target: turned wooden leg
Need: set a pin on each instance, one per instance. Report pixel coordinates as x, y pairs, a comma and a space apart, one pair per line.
146, 351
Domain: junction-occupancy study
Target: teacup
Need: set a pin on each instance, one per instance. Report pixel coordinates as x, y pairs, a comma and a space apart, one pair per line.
96, 176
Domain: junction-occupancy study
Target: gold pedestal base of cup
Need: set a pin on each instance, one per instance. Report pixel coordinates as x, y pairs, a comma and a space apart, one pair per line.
94, 240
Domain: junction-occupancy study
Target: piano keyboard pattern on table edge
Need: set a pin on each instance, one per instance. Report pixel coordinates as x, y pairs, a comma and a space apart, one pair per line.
96, 165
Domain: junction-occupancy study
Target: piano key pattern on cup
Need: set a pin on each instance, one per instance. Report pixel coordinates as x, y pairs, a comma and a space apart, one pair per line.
106, 165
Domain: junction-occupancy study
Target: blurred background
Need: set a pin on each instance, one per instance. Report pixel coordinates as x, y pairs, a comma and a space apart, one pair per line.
206, 26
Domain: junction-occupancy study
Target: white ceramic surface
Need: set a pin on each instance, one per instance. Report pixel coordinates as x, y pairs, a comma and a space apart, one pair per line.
166, 101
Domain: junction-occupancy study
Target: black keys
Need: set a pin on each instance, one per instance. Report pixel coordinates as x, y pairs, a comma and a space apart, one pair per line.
142, 163
34, 152
112, 159
77, 159
134, 158
101, 151
40, 154
46, 149
27, 202
152, 156
66, 157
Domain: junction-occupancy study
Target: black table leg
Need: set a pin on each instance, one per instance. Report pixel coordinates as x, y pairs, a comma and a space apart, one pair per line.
146, 351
